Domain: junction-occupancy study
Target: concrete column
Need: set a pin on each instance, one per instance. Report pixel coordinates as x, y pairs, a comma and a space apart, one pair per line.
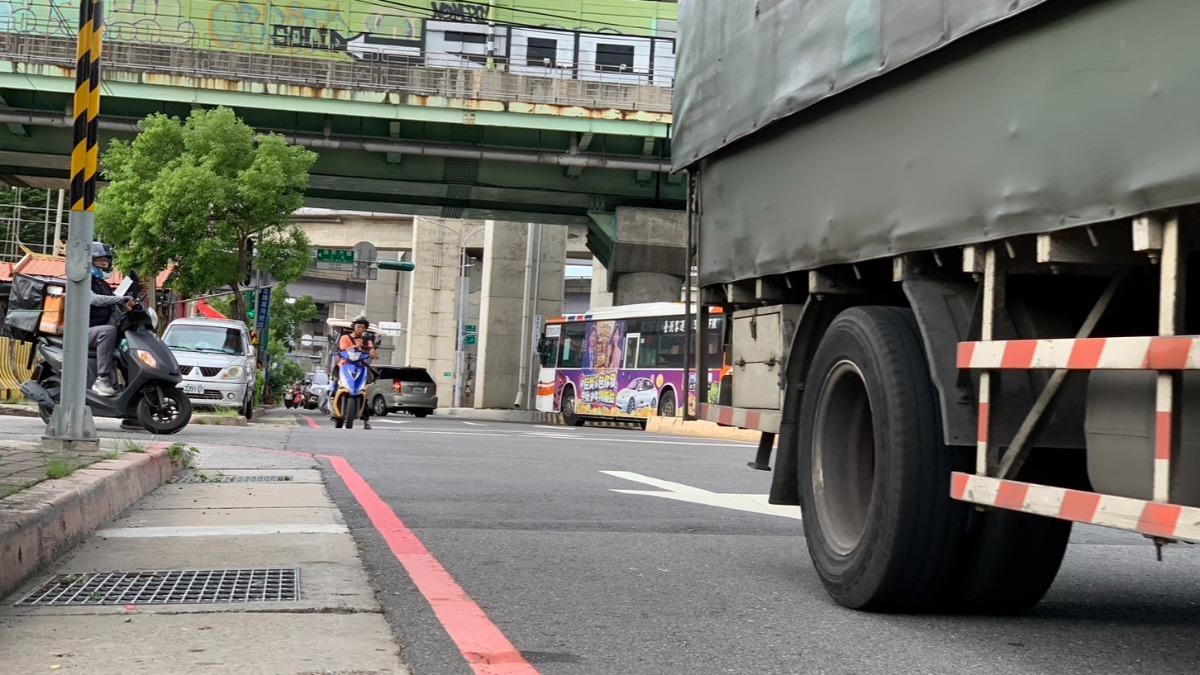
638, 287
431, 306
648, 259
500, 314
387, 300
601, 297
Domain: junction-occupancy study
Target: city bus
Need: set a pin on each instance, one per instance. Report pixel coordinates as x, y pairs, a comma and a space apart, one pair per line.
622, 362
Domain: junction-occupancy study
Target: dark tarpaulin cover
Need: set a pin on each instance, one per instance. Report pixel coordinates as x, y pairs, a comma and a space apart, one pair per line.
744, 64
1068, 115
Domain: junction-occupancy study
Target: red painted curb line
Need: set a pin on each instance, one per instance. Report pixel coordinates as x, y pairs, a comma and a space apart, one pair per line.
479, 640
311, 423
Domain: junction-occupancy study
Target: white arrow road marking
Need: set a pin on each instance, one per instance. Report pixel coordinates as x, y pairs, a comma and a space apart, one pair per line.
379, 421
475, 424
687, 493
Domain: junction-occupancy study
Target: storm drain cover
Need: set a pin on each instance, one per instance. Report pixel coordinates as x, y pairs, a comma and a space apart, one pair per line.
215, 478
173, 587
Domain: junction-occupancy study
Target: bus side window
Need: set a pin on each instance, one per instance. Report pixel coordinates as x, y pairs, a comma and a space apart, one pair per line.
548, 351
571, 355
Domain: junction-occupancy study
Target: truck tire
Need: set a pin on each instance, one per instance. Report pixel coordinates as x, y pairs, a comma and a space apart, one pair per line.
874, 475
1010, 558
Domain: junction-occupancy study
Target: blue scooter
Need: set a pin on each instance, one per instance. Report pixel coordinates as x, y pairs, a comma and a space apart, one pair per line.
349, 399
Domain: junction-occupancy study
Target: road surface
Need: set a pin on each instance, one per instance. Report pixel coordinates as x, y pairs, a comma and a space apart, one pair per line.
613, 551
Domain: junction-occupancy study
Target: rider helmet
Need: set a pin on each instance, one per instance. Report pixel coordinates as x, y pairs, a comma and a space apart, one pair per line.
98, 250
361, 319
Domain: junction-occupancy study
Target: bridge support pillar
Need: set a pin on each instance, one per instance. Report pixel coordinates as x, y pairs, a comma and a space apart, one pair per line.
648, 256
431, 324
387, 299
502, 303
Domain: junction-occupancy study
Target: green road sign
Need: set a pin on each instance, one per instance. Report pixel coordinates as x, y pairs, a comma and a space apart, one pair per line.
470, 329
469, 339
335, 256
398, 265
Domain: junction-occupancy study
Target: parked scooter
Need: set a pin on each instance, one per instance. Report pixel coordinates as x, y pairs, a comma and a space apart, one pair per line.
142, 361
350, 397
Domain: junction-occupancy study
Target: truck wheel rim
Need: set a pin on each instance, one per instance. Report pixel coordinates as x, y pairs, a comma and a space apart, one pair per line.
843, 471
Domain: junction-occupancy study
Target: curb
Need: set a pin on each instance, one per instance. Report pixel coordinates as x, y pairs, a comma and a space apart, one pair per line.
17, 411
701, 429
41, 523
219, 421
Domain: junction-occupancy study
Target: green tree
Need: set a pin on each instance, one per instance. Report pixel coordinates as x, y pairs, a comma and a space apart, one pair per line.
195, 193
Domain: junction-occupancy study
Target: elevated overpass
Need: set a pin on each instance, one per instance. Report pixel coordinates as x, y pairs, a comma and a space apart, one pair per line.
404, 126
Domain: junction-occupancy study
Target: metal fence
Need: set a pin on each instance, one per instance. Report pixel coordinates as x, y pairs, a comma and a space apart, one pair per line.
16, 367
449, 78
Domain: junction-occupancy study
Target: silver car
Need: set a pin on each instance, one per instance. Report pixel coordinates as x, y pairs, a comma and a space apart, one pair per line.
216, 360
408, 389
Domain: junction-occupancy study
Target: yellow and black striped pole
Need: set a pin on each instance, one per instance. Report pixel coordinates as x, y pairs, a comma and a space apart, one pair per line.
72, 422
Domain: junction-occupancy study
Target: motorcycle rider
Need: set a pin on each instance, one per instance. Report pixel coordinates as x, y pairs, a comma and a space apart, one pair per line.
102, 330
358, 338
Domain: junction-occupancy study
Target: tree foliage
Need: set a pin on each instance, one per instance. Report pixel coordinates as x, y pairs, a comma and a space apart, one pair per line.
193, 193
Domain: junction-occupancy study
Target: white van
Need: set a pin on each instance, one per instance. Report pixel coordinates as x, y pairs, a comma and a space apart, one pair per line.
216, 360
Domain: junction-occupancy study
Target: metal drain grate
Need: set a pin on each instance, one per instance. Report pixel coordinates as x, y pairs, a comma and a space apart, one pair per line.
186, 587
214, 478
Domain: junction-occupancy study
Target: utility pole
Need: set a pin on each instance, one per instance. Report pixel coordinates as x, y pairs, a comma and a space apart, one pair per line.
72, 420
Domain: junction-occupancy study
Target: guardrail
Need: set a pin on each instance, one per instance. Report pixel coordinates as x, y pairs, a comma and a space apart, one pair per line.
16, 367
421, 76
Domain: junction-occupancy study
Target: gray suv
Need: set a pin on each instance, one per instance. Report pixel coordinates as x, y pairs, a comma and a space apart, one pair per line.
407, 389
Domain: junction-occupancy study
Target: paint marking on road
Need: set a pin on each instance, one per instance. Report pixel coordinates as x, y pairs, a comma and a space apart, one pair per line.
379, 421
218, 531
475, 424
553, 428
480, 641
575, 437
695, 495
311, 422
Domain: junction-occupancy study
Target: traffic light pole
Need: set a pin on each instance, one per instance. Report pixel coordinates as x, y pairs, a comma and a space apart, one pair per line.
72, 421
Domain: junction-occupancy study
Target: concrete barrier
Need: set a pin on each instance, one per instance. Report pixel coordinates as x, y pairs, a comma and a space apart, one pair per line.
41, 523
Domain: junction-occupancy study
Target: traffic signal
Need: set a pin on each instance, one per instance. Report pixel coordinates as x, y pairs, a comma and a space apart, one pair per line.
397, 265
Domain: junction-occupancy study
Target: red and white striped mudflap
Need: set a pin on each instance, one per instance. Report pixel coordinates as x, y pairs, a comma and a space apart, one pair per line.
1151, 518
1120, 353
743, 418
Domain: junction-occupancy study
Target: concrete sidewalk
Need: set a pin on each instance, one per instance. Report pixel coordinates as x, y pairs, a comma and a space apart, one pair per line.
334, 625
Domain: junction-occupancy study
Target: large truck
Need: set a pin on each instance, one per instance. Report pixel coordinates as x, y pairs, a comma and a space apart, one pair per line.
952, 238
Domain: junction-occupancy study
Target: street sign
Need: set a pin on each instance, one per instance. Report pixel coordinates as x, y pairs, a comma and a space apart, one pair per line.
391, 328
470, 329
470, 340
365, 271
335, 256
365, 251
262, 320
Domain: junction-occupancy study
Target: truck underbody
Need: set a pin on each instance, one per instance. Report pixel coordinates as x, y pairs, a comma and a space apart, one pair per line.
959, 298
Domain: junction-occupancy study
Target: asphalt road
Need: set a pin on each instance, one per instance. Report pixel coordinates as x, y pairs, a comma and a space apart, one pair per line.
583, 579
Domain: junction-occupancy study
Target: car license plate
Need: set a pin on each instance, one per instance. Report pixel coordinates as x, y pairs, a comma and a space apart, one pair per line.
190, 388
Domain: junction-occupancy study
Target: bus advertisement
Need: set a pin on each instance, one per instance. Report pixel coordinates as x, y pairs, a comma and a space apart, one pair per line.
622, 362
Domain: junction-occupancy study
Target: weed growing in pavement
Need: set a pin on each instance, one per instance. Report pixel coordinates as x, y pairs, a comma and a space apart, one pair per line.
111, 454
222, 412
183, 456
131, 446
58, 467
